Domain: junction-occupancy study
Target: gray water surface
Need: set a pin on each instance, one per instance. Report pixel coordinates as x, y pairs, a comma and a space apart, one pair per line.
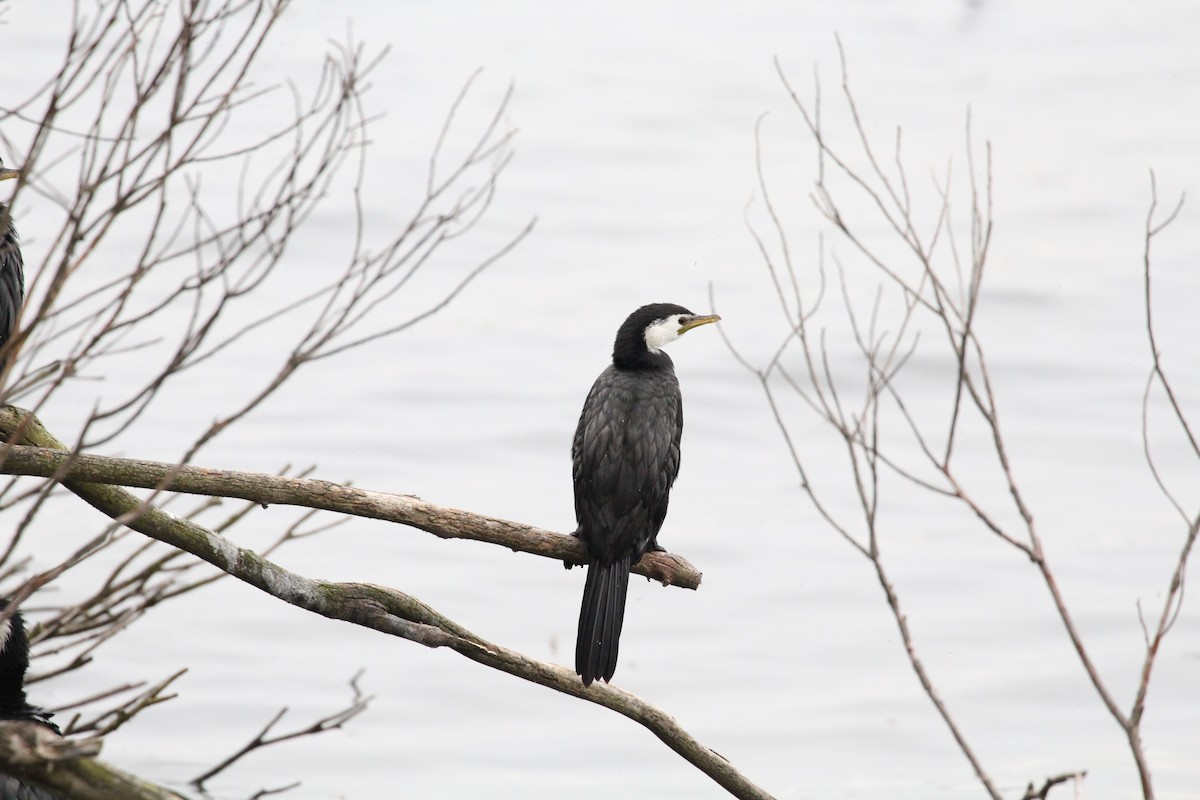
636, 153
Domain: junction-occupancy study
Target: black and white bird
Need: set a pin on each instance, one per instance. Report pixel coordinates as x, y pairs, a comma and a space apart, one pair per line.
12, 272
14, 661
625, 457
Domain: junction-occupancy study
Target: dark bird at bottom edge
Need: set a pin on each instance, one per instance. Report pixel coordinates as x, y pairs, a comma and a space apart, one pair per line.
625, 457
14, 661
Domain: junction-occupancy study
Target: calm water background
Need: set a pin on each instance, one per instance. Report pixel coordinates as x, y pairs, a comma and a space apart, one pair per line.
636, 153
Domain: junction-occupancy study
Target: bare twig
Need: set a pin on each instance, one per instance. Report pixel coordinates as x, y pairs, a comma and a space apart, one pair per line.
939, 286
1173, 600
145, 265
1042, 793
331, 722
882, 357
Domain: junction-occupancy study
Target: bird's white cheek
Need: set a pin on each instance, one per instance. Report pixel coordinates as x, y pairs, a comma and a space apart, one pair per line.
661, 334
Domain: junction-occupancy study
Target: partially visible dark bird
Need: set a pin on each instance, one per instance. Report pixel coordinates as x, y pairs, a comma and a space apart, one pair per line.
14, 661
625, 457
12, 272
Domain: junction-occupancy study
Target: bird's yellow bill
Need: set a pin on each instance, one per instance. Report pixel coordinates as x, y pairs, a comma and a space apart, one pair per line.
6, 173
696, 322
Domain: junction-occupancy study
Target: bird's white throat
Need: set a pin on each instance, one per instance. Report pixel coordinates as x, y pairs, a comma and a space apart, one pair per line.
662, 332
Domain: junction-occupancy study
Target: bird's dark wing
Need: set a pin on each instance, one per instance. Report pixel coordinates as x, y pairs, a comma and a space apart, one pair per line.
12, 277
625, 457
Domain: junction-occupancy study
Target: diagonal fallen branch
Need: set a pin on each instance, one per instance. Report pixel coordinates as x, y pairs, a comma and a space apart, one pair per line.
377, 607
48, 458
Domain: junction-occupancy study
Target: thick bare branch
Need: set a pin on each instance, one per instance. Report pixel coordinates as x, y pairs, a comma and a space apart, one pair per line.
393, 612
51, 460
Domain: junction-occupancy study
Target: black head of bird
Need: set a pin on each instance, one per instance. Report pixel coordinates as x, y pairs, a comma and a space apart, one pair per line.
642, 336
625, 457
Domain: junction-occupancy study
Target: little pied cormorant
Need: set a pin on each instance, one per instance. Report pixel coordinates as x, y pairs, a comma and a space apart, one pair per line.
14, 661
625, 457
12, 272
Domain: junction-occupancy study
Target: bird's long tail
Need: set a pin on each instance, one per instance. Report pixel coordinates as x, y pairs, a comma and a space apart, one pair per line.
600, 619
